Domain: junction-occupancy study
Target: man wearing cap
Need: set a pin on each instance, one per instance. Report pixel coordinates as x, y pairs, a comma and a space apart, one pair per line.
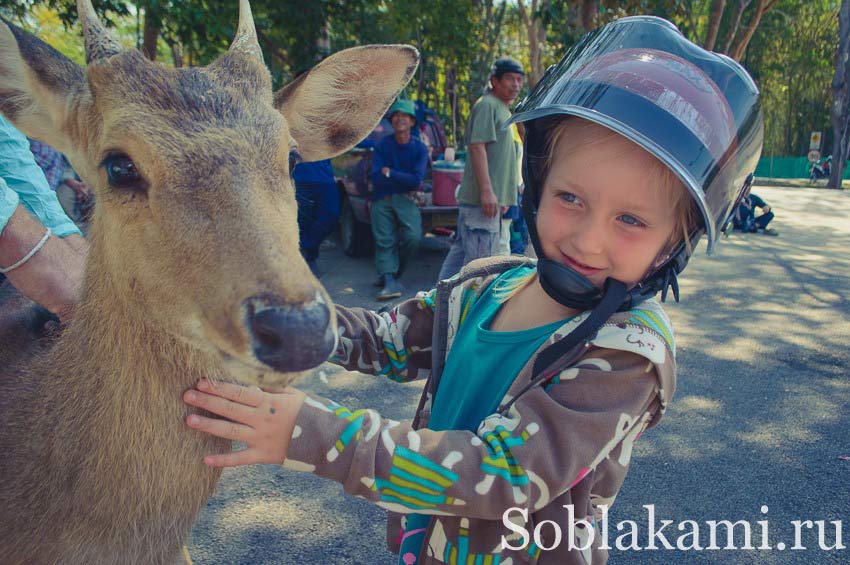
398, 167
489, 183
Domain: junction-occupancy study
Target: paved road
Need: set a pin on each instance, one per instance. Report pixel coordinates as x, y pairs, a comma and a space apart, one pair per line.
761, 415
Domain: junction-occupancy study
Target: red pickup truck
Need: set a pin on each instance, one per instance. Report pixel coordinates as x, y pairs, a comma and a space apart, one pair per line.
351, 170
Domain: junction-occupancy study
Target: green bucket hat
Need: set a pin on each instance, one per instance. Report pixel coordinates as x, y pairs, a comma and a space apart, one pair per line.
405, 106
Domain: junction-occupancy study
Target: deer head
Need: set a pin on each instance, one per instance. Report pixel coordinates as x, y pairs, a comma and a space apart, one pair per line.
195, 227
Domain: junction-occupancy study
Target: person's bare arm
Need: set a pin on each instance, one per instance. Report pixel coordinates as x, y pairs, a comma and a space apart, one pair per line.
53, 276
480, 166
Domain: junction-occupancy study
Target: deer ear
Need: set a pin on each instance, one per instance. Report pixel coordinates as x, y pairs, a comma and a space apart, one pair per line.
341, 100
36, 84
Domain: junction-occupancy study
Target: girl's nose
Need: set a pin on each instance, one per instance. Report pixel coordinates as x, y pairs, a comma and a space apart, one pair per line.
590, 236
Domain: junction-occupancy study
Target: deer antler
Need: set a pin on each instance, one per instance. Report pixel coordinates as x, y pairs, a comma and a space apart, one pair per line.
99, 42
246, 34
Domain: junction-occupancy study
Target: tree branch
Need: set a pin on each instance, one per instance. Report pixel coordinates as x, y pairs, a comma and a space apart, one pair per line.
735, 23
714, 19
741, 43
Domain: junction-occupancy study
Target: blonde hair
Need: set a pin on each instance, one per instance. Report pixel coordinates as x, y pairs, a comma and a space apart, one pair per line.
588, 133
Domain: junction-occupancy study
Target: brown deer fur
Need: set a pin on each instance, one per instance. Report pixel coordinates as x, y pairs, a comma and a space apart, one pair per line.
97, 465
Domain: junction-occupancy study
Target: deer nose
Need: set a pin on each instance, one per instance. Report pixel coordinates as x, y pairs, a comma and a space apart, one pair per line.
290, 337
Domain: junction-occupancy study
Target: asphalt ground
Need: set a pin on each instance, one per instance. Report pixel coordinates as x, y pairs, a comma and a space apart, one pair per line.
761, 416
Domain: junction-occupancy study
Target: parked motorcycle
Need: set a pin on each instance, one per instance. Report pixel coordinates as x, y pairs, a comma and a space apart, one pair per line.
820, 168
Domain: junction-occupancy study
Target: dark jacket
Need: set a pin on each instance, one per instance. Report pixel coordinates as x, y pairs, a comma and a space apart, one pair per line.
407, 164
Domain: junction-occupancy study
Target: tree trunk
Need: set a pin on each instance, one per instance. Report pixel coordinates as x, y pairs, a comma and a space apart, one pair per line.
717, 7
177, 54
839, 112
492, 25
538, 67
587, 14
528, 21
451, 99
735, 23
536, 32
741, 42
420, 81
150, 35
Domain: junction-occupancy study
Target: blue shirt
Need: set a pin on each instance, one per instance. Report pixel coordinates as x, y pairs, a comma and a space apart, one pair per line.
23, 182
315, 172
481, 366
407, 163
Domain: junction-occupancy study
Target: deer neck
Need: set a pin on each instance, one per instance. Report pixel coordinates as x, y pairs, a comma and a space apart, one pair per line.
127, 412
123, 333
130, 352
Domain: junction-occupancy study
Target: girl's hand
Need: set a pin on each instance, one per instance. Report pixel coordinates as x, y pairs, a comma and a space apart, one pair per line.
262, 420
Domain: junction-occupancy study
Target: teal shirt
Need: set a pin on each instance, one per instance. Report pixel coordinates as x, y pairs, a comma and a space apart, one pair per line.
483, 364
23, 182
480, 368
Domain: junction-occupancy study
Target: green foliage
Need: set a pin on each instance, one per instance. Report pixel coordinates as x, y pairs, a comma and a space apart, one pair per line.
46, 24
791, 59
790, 56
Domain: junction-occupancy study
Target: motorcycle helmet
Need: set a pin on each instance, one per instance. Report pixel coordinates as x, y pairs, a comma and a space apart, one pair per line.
696, 111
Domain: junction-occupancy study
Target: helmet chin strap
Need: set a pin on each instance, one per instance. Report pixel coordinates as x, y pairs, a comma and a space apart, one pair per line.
573, 290
570, 347
566, 285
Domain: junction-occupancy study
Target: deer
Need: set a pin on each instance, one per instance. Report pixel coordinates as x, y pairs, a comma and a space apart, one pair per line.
193, 271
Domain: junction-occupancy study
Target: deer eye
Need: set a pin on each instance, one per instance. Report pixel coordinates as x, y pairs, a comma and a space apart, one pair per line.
122, 172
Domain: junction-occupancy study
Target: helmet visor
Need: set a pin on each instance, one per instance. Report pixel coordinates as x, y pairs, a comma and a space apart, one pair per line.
696, 111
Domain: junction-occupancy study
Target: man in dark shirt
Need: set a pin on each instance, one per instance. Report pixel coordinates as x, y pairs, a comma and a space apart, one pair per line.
398, 167
746, 220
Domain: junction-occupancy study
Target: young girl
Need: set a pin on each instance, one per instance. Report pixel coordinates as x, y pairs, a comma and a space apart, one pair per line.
540, 376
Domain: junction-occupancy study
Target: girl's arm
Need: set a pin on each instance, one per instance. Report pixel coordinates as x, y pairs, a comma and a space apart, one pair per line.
396, 344
548, 442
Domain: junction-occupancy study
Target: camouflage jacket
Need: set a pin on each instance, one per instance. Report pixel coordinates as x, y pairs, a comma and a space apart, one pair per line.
564, 441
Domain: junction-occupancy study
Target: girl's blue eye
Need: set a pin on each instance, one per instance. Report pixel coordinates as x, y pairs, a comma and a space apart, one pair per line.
630, 220
569, 197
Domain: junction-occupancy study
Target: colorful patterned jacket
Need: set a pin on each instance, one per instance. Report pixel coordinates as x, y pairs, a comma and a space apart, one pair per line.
565, 441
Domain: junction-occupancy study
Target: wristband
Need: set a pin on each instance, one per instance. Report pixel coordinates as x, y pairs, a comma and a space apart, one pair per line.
29, 255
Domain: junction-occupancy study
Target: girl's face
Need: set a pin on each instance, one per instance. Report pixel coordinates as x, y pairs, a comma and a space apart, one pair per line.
599, 213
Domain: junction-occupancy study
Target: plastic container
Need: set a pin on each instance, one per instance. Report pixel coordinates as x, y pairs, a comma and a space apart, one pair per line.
446, 178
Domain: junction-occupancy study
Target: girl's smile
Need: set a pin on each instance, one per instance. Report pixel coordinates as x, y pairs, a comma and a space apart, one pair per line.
580, 267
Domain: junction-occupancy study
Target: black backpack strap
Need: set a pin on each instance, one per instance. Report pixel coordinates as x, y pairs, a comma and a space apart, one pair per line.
573, 345
614, 295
